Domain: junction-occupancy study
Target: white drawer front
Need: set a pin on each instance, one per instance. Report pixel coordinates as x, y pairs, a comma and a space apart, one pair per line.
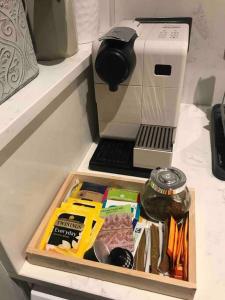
35, 295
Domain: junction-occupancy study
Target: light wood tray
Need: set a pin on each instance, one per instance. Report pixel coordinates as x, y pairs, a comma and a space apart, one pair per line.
141, 280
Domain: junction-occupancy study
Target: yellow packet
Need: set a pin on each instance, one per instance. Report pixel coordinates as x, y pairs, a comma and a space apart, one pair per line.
88, 191
75, 190
84, 203
95, 231
68, 231
94, 209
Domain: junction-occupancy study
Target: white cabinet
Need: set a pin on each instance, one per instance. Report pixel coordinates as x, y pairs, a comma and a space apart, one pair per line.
35, 163
9, 289
45, 131
53, 293
35, 295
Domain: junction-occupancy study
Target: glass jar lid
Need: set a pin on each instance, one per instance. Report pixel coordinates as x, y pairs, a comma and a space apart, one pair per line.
168, 181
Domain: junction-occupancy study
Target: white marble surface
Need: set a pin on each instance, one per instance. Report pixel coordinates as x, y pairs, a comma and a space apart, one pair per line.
17, 112
192, 155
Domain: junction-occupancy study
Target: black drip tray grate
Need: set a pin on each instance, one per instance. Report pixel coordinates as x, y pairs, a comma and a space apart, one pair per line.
116, 156
155, 137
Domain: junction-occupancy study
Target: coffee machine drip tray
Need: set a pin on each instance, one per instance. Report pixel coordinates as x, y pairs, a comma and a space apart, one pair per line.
154, 146
116, 156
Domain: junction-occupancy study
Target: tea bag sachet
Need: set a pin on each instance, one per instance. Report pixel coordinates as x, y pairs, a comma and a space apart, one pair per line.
68, 231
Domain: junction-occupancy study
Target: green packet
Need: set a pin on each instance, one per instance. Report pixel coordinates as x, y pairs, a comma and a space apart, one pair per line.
122, 195
122, 209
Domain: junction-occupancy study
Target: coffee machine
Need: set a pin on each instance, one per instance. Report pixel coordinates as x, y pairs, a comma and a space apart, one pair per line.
139, 68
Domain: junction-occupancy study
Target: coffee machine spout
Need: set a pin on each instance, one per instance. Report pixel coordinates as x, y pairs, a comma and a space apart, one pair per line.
113, 87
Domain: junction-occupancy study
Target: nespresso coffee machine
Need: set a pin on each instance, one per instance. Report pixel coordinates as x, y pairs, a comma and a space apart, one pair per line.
138, 74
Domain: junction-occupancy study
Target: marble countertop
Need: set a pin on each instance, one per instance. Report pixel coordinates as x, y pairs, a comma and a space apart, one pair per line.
192, 154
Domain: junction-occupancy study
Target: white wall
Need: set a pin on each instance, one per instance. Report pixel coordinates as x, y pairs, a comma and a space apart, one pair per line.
205, 74
37, 161
107, 14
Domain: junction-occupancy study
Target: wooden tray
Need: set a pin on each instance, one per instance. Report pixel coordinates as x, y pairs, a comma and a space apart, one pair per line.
141, 280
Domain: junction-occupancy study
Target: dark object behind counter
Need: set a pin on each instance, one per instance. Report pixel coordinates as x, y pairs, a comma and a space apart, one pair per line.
217, 143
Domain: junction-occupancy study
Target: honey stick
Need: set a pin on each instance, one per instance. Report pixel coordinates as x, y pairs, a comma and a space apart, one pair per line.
154, 249
164, 264
139, 257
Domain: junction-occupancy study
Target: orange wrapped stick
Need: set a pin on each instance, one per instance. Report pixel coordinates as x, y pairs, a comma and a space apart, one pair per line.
186, 250
171, 237
180, 244
175, 245
178, 272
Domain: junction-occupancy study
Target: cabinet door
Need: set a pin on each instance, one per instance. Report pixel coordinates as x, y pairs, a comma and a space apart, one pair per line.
35, 295
9, 290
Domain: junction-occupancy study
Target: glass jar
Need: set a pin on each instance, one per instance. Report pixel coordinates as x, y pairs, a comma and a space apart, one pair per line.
166, 195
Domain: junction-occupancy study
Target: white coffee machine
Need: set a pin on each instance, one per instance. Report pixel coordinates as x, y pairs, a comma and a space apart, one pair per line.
139, 70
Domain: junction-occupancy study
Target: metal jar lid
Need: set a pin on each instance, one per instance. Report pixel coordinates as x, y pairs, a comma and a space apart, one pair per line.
168, 181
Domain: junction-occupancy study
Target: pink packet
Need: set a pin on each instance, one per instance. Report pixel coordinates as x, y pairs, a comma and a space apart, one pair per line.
117, 231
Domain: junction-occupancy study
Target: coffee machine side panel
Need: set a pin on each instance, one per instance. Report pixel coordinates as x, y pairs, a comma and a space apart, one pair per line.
116, 130
160, 106
136, 77
119, 113
164, 64
164, 67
